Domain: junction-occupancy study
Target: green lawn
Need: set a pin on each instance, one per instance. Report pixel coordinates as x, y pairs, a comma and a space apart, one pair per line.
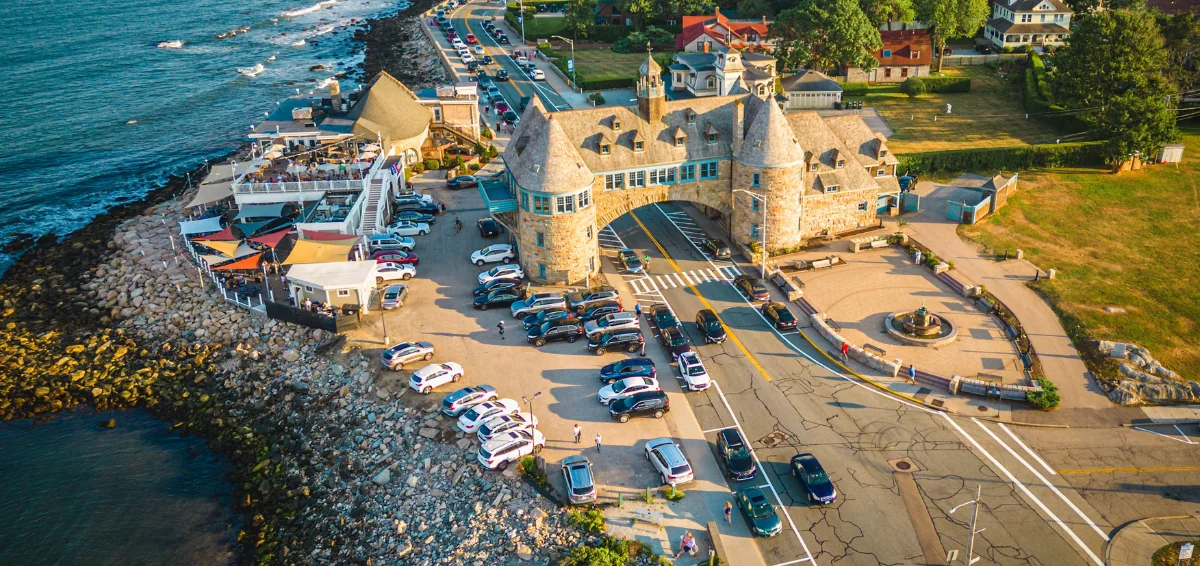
1127, 241
537, 28
604, 64
991, 115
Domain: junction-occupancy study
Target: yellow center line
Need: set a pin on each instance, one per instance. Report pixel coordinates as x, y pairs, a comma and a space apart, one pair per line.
728, 329
1128, 470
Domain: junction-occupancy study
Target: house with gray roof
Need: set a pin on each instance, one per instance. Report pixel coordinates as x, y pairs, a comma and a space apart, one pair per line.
809, 90
1028, 22
721, 73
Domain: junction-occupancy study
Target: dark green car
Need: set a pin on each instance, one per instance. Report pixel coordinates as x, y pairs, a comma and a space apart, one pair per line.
759, 512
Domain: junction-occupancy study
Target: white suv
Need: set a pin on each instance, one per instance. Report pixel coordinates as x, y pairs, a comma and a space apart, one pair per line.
506, 423
435, 375
536, 303
614, 321
475, 417
502, 272
668, 459
393, 271
493, 253
692, 370
511, 446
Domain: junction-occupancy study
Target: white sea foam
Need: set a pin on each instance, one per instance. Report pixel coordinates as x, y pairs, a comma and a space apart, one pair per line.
309, 10
172, 44
300, 43
252, 72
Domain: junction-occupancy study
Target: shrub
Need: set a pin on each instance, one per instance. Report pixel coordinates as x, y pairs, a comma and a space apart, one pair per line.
1021, 49
1047, 398
672, 494
492, 151
597, 98
636, 41
474, 166
486, 133
591, 556
590, 521
418, 168
913, 87
648, 497
1009, 158
531, 470
608, 33
431, 164
947, 84
855, 89
463, 169
1007, 49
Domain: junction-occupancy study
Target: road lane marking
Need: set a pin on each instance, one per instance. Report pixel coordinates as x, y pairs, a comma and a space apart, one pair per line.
1183, 434
1163, 435
1044, 481
1025, 490
809, 559
1027, 449
1085, 472
680, 279
712, 430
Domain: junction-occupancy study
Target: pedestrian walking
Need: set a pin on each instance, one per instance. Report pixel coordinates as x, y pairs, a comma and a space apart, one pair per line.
501, 328
597, 442
845, 351
912, 374
457, 225
729, 513
646, 262
917, 257
443, 206
637, 308
578, 433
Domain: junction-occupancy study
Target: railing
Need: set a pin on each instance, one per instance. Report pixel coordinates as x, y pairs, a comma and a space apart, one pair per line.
300, 186
247, 302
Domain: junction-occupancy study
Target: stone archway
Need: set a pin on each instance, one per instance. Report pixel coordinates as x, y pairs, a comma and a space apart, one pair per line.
611, 205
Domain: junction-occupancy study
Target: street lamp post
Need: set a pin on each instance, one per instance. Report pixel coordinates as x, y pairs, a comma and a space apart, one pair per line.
383, 317
522, 18
967, 560
572, 43
763, 199
529, 403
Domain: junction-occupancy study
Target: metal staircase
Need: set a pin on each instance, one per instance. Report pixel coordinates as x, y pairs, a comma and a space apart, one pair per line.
374, 216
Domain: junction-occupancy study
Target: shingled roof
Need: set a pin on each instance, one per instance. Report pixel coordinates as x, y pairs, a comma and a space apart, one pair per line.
543, 157
813, 134
769, 141
862, 141
389, 108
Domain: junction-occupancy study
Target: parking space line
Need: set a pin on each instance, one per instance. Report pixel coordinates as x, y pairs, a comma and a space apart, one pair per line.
1027, 449
1163, 435
796, 562
1183, 434
1044, 481
711, 430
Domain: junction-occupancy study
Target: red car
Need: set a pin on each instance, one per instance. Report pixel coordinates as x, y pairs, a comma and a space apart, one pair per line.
391, 256
471, 38
501, 107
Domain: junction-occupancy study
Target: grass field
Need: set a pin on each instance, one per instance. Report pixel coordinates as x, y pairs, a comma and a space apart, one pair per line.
991, 115
603, 64
538, 28
1127, 241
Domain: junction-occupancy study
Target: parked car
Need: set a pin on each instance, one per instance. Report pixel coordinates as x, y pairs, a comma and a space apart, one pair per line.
397, 257
662, 316
779, 315
554, 313
811, 475
502, 38
395, 357
426, 207
411, 198
537, 75
581, 300
565, 329
630, 340
414, 216
496, 285
626, 387
467, 58
537, 302
501, 298
506, 423
488, 228
716, 248
710, 326
434, 375
457, 43
493, 91
646, 404
471, 38
511, 117
494, 253
502, 75
499, 452
577, 473
615, 321
674, 341
462, 181
759, 512
693, 372
632, 367
735, 453
385, 243
524, 103
394, 295
669, 460
506, 271
406, 228
599, 311
630, 261
752, 287
393, 271
473, 418
501, 107
455, 403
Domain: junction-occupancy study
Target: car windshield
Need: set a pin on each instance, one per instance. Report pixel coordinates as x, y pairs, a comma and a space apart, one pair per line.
758, 287
676, 338
625, 384
712, 326
695, 370
680, 469
739, 453
391, 294
472, 413
817, 478
785, 315
760, 508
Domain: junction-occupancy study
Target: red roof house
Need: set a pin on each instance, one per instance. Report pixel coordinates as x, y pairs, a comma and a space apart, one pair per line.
718, 33
905, 53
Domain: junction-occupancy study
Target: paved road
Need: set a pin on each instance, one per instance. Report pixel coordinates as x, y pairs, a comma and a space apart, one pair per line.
768, 385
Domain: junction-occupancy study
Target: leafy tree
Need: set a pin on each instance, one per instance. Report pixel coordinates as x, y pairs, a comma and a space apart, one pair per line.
689, 7
1081, 7
750, 9
579, 15
1114, 68
825, 34
881, 12
950, 19
913, 87
638, 10
1181, 33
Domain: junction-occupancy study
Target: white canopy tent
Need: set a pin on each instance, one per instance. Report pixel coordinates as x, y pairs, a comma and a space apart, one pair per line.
204, 226
260, 211
210, 193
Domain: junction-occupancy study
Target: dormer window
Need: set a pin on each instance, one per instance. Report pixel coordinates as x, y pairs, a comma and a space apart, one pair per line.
887, 53
882, 153
712, 138
605, 149
831, 189
638, 146
691, 117
916, 54
711, 134
639, 141
813, 166
616, 125
679, 141
841, 163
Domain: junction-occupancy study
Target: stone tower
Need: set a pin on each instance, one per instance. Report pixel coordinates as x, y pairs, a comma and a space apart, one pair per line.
769, 162
651, 94
556, 214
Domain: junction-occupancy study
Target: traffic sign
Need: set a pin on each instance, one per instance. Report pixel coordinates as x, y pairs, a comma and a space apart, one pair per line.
520, 19
570, 65
1185, 551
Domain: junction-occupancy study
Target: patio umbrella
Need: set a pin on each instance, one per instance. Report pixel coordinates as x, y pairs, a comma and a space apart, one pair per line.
368, 155
227, 248
361, 165
296, 169
258, 163
329, 167
371, 147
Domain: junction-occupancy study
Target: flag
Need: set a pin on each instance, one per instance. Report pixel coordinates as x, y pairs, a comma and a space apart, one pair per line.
395, 168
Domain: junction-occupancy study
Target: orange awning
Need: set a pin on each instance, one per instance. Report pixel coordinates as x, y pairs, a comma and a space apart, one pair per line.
227, 248
248, 262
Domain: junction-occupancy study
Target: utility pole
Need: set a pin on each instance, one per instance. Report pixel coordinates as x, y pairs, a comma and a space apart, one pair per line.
967, 559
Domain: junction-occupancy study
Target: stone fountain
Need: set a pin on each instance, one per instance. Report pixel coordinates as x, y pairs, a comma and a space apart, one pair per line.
920, 327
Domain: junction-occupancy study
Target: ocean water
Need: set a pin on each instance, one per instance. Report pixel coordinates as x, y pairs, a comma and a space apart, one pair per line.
72, 493
77, 73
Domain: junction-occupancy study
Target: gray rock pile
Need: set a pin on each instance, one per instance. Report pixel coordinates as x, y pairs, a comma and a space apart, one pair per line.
1144, 380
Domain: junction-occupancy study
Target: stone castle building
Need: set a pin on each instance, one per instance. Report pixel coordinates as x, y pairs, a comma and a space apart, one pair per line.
574, 172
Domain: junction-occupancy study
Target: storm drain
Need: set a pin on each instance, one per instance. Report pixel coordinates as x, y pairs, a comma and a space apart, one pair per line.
903, 465
774, 439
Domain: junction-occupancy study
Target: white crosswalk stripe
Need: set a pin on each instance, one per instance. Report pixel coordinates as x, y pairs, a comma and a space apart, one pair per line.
689, 279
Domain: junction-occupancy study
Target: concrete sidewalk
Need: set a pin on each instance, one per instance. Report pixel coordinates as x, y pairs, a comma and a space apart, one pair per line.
1135, 543
1007, 281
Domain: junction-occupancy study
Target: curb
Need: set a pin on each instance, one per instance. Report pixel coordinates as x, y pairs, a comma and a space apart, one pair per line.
1131, 425
1019, 423
1107, 548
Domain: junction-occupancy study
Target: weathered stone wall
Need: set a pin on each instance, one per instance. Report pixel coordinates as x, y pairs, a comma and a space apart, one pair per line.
713, 193
837, 212
781, 187
856, 353
566, 251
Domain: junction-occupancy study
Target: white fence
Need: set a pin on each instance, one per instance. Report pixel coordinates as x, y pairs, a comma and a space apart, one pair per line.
204, 270
300, 186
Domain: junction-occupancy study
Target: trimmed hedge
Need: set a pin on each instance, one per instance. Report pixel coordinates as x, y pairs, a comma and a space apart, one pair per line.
947, 84
855, 89
608, 33
1046, 156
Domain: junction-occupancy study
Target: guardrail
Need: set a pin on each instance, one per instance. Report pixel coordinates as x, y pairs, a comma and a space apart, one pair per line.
299, 186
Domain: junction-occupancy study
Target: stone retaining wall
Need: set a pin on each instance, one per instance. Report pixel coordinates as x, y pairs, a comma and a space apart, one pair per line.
856, 353
438, 48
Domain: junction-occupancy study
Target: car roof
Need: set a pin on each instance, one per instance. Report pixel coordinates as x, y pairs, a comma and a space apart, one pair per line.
732, 437
808, 462
576, 459
642, 395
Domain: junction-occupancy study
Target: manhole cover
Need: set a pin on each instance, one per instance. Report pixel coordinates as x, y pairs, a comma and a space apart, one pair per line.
903, 465
774, 439
983, 409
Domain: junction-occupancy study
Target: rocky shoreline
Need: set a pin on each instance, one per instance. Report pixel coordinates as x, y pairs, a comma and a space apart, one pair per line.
328, 468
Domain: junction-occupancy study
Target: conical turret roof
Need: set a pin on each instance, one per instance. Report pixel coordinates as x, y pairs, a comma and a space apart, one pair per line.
650, 67
769, 141
543, 158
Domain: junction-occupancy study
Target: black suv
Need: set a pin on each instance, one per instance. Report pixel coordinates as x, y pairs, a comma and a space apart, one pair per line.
710, 326
716, 248
497, 285
502, 297
539, 318
631, 340
599, 311
647, 403
564, 329
736, 455
752, 287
